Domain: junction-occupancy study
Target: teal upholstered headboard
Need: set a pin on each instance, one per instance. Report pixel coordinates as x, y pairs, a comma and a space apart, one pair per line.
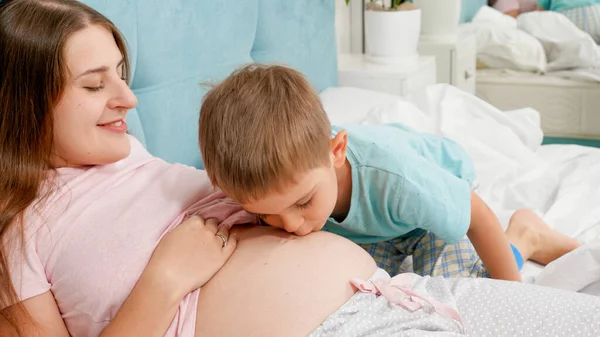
178, 45
469, 9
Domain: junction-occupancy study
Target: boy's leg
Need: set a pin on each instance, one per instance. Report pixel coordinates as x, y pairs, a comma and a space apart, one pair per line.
535, 240
527, 232
385, 253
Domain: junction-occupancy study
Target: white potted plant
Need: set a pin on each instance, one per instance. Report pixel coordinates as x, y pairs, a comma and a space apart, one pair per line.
392, 31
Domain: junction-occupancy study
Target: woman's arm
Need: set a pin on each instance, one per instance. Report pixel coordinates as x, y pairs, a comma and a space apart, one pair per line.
184, 260
148, 311
508, 7
44, 311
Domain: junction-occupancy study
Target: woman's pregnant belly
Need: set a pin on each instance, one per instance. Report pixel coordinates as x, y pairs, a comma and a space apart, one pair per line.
277, 284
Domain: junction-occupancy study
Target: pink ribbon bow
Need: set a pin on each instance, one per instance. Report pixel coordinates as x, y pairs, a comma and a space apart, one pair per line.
398, 291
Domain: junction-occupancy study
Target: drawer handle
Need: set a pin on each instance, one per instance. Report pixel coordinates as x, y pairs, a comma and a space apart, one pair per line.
468, 74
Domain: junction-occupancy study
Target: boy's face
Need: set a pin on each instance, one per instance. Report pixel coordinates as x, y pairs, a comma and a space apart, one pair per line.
304, 206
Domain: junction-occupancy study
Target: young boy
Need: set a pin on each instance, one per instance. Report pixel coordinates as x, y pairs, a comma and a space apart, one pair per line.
267, 143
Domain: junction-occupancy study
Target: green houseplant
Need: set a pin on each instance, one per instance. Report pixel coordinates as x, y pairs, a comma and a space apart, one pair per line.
394, 4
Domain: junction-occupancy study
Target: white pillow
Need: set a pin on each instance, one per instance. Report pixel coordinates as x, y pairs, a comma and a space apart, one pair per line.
490, 15
503, 47
566, 46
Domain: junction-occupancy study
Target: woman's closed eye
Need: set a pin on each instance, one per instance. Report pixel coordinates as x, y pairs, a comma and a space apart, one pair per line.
98, 87
95, 88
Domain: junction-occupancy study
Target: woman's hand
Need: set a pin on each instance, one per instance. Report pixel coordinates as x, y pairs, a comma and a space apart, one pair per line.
190, 255
184, 260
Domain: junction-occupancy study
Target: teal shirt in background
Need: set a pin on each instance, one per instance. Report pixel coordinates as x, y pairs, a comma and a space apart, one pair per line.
562, 5
404, 180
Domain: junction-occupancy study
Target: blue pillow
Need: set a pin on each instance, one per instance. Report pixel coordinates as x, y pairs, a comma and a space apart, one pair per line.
470, 8
300, 35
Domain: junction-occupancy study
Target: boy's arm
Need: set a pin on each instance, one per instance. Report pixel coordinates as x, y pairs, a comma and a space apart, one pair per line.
490, 242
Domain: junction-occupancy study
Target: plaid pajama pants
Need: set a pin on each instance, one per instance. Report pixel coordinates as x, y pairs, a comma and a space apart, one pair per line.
431, 256
586, 18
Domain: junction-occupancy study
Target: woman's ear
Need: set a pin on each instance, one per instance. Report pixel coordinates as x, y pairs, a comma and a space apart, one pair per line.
338, 146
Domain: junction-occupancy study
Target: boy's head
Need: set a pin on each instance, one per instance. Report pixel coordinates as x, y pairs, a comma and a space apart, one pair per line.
266, 142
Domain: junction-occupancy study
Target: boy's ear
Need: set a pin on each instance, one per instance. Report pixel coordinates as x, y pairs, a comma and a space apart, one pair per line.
338, 146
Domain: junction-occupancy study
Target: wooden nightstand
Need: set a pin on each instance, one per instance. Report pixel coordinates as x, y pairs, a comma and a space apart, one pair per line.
456, 61
398, 79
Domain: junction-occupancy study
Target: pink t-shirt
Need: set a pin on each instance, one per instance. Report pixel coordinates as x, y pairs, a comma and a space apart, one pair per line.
523, 6
91, 241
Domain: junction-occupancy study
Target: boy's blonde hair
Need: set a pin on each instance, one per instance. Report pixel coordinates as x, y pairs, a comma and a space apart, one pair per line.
259, 129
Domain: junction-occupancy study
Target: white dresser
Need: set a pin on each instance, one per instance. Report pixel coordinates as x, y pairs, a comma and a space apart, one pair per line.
399, 79
456, 61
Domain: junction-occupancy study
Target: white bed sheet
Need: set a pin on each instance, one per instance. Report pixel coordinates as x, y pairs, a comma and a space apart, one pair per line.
568, 107
559, 182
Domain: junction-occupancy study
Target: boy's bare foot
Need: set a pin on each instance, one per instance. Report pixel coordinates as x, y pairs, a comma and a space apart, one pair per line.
535, 240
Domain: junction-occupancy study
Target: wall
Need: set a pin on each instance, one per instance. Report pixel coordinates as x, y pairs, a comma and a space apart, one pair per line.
342, 26
349, 25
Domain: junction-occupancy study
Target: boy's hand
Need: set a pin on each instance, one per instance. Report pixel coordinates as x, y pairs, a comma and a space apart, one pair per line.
490, 242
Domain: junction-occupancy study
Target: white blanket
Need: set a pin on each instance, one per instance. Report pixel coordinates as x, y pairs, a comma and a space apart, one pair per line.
462, 307
566, 46
546, 42
559, 182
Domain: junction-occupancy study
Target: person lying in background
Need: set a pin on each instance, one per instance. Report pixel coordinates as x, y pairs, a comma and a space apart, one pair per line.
513, 7
585, 14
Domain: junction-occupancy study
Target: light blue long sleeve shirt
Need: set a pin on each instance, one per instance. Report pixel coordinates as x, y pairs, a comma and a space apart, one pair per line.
561, 5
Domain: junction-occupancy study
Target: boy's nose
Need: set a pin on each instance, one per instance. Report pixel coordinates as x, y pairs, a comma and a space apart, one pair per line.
291, 224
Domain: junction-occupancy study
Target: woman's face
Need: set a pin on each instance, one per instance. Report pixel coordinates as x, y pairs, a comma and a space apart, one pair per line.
89, 119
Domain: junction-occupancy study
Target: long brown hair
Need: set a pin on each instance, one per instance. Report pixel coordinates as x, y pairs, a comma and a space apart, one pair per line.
33, 73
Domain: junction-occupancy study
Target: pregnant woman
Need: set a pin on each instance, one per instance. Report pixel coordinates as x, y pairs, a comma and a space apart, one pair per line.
99, 238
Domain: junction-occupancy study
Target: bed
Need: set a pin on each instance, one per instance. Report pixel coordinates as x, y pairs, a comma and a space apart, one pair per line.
558, 182
542, 61
174, 51
568, 107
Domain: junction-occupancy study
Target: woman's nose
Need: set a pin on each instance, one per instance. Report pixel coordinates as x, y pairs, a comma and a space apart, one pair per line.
123, 98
